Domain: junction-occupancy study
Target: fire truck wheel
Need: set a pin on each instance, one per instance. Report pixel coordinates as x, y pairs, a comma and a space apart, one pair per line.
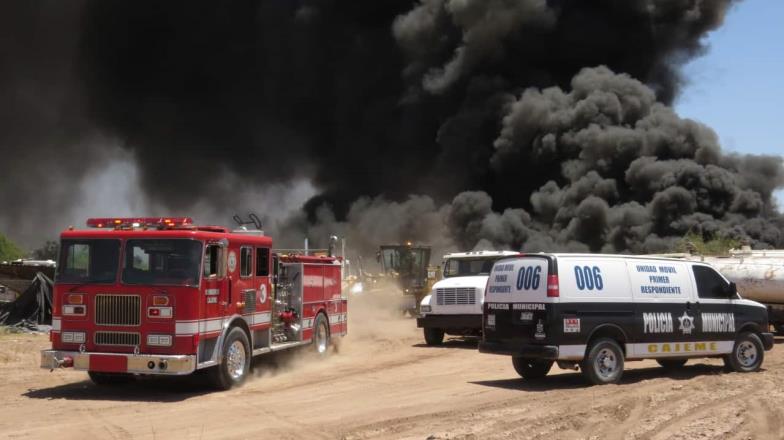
434, 336
747, 354
531, 368
104, 379
604, 362
321, 335
235, 364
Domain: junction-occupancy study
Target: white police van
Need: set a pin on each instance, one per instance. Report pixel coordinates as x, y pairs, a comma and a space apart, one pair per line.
597, 311
454, 306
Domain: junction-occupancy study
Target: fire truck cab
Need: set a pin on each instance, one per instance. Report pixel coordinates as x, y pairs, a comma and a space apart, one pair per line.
150, 296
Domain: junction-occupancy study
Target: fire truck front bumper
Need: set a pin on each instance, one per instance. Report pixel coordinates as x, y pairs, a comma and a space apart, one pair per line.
169, 365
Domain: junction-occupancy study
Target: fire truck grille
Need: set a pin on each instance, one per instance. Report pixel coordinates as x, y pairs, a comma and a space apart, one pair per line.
452, 296
117, 338
117, 310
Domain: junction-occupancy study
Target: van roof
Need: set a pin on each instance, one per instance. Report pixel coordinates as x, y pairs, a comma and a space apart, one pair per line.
475, 254
618, 256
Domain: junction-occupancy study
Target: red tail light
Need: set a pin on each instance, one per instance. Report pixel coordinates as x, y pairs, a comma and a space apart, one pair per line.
553, 291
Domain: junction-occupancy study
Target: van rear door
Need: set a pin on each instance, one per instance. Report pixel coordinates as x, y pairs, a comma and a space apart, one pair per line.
516, 299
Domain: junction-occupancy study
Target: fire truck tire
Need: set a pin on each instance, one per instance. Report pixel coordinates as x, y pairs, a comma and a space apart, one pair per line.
106, 379
235, 361
604, 362
531, 368
321, 335
434, 336
747, 354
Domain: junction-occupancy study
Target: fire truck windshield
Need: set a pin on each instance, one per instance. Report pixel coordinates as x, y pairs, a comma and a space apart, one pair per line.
462, 267
171, 262
88, 261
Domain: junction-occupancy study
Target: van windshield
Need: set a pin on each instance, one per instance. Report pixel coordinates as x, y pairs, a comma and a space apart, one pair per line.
88, 261
464, 267
170, 262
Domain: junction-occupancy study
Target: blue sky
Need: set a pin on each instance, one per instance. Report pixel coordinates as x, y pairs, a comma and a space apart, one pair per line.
737, 87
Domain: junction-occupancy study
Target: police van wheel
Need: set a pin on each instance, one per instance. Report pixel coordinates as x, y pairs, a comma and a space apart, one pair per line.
604, 362
531, 368
108, 379
671, 364
434, 336
235, 361
747, 354
321, 335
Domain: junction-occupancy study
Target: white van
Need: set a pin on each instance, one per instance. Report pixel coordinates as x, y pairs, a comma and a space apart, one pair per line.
597, 311
454, 306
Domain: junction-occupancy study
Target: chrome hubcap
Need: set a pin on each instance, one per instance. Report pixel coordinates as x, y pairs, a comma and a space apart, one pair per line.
321, 337
235, 360
747, 354
606, 363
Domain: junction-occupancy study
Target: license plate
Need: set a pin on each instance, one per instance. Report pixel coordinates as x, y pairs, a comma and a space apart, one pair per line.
526, 316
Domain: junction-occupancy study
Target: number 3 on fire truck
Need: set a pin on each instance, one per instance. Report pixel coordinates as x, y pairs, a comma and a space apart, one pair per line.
262, 293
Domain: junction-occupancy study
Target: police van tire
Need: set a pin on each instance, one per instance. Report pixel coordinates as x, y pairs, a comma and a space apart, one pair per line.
604, 362
531, 368
235, 361
321, 335
747, 354
108, 379
434, 336
671, 364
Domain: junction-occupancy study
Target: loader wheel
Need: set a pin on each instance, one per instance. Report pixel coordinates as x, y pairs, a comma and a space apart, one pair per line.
434, 336
531, 368
234, 361
109, 379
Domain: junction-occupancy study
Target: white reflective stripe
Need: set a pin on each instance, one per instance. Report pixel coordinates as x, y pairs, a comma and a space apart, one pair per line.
56, 324
571, 352
258, 318
210, 325
679, 349
307, 323
186, 328
262, 318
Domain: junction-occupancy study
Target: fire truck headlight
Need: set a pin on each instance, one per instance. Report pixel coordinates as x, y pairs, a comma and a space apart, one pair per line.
75, 310
159, 312
159, 340
73, 337
425, 309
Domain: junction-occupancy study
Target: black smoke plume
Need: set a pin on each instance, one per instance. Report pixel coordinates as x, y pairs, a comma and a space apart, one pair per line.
531, 124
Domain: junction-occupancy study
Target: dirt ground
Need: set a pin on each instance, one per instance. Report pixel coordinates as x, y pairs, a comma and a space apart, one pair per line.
385, 383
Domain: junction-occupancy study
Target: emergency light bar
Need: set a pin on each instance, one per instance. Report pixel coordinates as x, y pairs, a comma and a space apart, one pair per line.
115, 222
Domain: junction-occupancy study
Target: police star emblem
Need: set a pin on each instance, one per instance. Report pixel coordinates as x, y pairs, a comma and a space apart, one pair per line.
687, 324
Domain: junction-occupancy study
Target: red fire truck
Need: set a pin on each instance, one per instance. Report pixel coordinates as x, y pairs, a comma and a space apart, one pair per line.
162, 296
